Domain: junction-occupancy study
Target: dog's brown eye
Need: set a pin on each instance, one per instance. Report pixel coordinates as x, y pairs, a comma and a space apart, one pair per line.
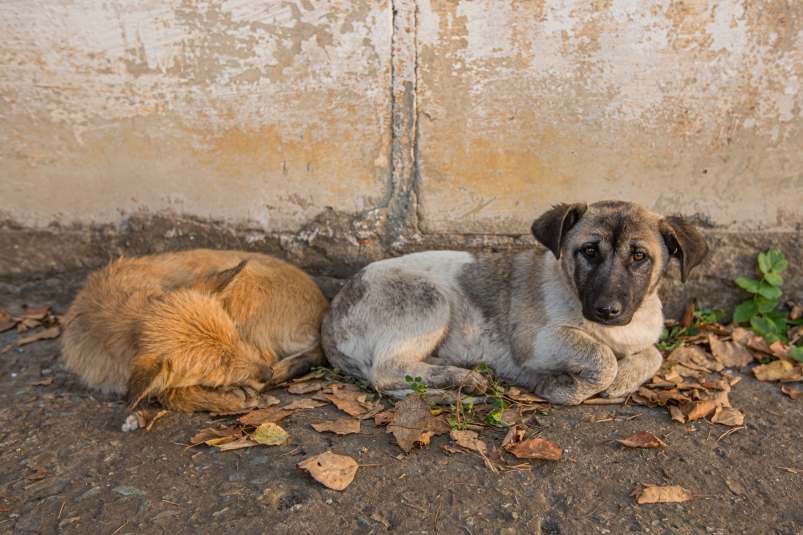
590, 250
639, 256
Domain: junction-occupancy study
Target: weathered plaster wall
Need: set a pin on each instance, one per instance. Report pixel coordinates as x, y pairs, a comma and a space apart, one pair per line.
337, 132
689, 107
257, 112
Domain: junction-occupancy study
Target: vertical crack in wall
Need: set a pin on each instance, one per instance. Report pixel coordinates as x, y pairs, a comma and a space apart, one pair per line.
401, 211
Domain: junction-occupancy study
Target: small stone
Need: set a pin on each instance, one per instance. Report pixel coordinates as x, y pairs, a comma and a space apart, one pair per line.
48, 491
167, 513
258, 460
29, 522
237, 476
144, 505
124, 490
280, 528
88, 494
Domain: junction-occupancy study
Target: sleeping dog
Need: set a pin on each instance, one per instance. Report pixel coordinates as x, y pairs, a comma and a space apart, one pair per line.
577, 318
196, 330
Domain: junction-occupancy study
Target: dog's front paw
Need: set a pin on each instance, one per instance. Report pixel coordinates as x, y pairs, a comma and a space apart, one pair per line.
619, 390
474, 384
558, 389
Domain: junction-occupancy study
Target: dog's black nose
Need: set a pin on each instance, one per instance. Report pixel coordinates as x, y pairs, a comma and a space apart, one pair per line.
267, 373
607, 310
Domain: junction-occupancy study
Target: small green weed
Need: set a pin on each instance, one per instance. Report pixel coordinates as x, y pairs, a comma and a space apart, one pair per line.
672, 338
497, 395
417, 386
761, 311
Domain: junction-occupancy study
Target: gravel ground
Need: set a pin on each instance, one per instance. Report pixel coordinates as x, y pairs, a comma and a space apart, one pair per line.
100, 480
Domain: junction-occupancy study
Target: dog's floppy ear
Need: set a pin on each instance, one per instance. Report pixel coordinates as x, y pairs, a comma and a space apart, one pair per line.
147, 380
684, 243
550, 228
219, 281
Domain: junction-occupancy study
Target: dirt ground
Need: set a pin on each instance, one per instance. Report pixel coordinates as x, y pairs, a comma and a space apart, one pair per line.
101, 480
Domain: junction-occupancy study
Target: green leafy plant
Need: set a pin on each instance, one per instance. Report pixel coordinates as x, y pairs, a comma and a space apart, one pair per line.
462, 415
672, 338
497, 395
761, 311
417, 386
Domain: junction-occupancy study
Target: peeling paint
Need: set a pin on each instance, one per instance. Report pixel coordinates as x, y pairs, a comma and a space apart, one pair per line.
240, 110
689, 107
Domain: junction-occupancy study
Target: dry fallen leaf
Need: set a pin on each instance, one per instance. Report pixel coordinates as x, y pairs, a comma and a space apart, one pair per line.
308, 377
523, 397
727, 416
759, 344
204, 436
37, 313
469, 440
695, 357
146, 418
697, 409
515, 434
410, 421
791, 392
270, 434
666, 494
47, 334
236, 444
643, 439
333, 471
303, 405
354, 403
6, 349
677, 414
384, 417
261, 416
729, 354
341, 426
305, 387
38, 473
535, 448
778, 370
43, 382
448, 448
7, 321
438, 426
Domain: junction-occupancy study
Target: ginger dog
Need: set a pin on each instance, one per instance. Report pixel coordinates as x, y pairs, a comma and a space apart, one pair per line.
194, 331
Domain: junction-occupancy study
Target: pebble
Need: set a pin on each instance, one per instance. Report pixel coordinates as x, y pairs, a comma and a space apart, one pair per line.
164, 514
88, 494
144, 505
124, 490
29, 522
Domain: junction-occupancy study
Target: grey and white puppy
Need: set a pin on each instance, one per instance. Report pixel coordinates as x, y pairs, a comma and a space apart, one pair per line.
578, 318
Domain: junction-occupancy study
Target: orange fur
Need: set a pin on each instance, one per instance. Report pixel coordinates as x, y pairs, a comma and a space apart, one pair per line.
194, 330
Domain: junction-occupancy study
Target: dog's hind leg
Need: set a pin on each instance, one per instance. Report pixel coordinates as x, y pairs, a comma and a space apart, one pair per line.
633, 371
396, 361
